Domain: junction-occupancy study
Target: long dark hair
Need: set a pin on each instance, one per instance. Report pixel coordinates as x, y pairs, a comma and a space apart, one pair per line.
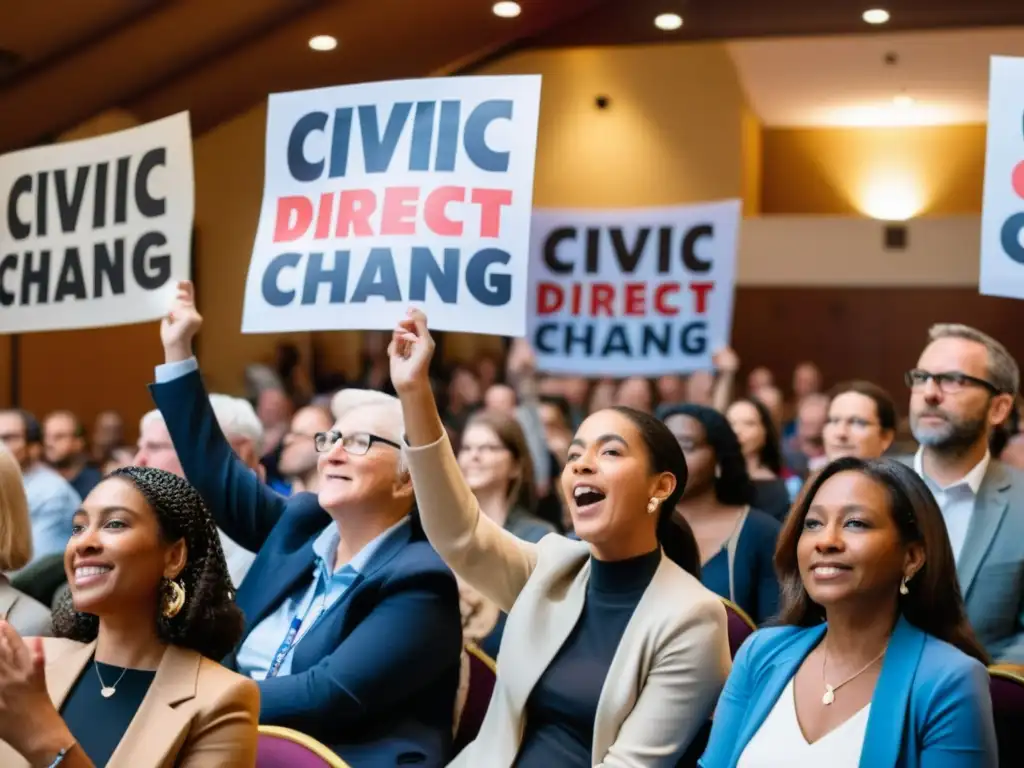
665, 455
732, 485
771, 452
934, 604
209, 622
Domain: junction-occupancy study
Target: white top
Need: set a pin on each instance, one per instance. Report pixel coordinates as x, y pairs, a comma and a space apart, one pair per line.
780, 742
957, 499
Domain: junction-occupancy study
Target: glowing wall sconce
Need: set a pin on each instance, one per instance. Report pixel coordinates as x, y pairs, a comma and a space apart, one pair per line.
891, 196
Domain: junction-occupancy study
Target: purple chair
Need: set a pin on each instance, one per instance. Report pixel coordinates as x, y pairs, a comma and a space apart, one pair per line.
741, 626
483, 673
284, 748
1006, 683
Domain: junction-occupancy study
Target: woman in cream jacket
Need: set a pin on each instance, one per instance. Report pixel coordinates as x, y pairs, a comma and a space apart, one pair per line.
612, 655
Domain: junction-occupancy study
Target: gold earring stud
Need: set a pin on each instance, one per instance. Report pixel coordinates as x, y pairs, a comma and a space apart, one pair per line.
904, 589
652, 505
173, 600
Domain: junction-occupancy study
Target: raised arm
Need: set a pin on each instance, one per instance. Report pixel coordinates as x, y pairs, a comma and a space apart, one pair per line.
482, 553
242, 505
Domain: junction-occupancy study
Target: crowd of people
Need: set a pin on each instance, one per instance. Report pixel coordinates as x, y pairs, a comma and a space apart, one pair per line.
321, 562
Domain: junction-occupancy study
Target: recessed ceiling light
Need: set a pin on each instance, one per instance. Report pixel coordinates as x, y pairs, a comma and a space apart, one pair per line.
903, 100
668, 21
876, 16
323, 43
507, 9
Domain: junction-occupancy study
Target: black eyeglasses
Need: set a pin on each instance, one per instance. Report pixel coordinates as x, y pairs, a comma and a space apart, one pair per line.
949, 382
358, 443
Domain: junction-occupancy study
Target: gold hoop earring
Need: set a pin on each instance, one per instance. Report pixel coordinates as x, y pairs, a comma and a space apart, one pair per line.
652, 505
904, 589
173, 600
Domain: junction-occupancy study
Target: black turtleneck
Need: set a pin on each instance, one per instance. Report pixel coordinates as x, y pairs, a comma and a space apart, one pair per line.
562, 707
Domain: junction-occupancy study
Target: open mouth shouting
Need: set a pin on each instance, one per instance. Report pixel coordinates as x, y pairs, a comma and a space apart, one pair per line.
587, 498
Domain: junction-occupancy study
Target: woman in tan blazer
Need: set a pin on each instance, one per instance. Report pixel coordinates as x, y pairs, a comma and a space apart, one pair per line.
612, 655
131, 681
26, 615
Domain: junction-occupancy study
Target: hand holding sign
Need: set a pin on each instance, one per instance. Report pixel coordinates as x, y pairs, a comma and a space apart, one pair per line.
181, 324
411, 350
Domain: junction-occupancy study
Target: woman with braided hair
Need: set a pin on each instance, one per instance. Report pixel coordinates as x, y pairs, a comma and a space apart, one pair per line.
131, 678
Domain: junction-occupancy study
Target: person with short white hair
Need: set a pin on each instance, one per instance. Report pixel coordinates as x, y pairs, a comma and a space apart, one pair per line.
353, 628
241, 426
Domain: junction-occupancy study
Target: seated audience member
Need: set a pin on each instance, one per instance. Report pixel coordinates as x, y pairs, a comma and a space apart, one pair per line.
736, 541
298, 460
964, 385
51, 499
352, 620
804, 451
107, 434
861, 421
239, 424
26, 615
133, 679
612, 654
123, 456
759, 441
875, 663
65, 450
496, 464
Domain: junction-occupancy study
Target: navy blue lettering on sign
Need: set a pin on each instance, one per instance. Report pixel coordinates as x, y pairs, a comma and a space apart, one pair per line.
627, 253
431, 125
1010, 237
378, 277
660, 339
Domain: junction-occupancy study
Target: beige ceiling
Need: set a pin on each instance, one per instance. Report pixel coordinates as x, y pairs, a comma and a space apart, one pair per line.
843, 81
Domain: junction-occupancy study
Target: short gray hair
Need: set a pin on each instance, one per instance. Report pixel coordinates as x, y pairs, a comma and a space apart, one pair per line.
235, 416
347, 400
1003, 371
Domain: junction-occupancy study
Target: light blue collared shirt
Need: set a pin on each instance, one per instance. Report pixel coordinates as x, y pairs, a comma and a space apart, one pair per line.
312, 600
52, 503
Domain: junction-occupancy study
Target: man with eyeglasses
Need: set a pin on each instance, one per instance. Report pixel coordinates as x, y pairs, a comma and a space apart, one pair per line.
352, 622
963, 387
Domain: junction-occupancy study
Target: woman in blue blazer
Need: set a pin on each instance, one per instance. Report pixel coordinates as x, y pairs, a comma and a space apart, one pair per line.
736, 542
875, 664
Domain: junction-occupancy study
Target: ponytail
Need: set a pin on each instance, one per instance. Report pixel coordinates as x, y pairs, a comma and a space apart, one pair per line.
677, 539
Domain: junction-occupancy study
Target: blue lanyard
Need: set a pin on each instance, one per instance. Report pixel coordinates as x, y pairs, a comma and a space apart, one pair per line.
291, 638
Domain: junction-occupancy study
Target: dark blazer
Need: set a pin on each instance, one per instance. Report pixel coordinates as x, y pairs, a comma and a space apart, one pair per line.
931, 707
755, 585
376, 677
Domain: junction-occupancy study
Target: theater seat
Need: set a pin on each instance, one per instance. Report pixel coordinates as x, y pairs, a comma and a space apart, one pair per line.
284, 748
741, 626
1007, 686
483, 673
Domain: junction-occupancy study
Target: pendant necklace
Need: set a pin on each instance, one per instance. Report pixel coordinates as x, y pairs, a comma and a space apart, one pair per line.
830, 690
106, 691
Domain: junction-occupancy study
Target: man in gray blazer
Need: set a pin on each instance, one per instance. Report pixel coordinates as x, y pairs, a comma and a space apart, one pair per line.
964, 385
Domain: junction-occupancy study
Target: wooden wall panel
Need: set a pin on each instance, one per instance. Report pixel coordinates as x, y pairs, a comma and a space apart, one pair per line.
871, 333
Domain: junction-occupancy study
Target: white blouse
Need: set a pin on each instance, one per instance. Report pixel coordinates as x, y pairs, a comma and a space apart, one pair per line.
780, 741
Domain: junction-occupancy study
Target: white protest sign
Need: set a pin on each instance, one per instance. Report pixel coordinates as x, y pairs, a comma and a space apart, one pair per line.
634, 292
1002, 215
96, 232
383, 195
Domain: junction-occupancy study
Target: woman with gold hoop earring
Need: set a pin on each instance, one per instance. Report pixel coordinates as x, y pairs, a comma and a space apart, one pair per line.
875, 663
132, 679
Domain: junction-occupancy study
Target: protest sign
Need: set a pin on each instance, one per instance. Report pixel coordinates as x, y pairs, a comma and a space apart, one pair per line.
96, 232
1002, 216
383, 195
640, 292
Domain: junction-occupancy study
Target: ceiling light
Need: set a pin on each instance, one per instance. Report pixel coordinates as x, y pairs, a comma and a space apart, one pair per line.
668, 21
903, 101
507, 10
876, 16
323, 43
